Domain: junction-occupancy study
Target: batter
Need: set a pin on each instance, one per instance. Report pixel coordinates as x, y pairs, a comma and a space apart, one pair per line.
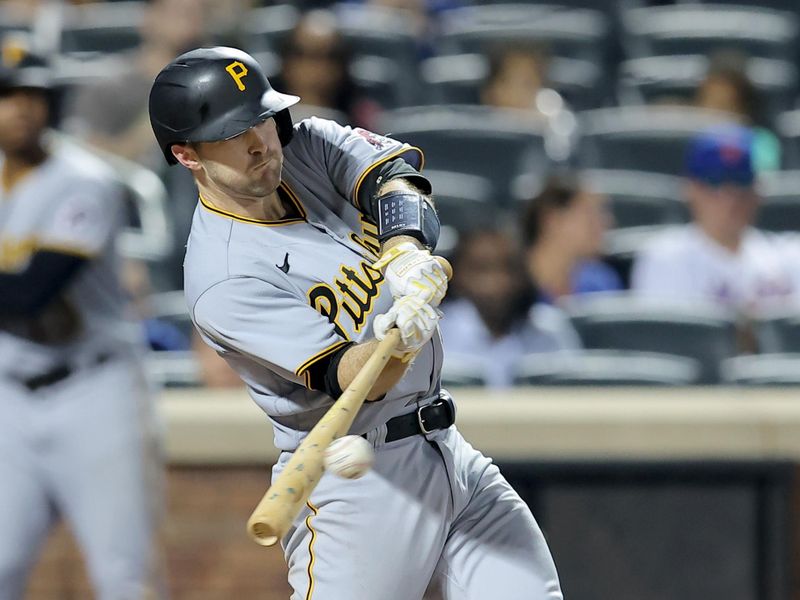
308, 242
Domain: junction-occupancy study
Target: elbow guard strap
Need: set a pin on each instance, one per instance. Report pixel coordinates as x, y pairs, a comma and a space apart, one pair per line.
407, 213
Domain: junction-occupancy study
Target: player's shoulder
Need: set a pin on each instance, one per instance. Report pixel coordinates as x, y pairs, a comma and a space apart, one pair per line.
73, 163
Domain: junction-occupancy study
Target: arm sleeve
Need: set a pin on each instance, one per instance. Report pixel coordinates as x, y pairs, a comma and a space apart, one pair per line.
271, 326
26, 293
357, 160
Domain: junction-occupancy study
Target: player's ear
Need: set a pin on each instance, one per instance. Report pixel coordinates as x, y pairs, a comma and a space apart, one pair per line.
186, 155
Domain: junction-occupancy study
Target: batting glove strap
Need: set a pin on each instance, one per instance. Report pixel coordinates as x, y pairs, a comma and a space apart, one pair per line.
416, 320
411, 271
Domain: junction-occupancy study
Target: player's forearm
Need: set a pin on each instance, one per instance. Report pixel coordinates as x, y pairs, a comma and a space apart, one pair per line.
355, 358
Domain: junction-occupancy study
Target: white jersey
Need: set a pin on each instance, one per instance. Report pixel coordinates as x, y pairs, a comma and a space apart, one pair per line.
71, 204
684, 263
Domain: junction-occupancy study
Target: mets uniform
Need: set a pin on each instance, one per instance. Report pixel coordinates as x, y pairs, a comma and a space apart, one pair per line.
684, 263
75, 416
275, 299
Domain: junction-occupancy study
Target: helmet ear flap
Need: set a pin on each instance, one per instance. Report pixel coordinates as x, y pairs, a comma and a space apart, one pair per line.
283, 121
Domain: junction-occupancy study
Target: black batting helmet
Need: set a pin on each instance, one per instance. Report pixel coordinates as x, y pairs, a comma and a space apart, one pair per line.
213, 94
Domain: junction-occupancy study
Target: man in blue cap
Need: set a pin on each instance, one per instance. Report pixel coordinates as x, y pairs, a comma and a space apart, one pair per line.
720, 256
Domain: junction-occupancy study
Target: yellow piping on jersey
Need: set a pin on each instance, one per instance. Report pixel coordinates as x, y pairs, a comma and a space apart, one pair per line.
292, 196
315, 512
302, 369
366, 171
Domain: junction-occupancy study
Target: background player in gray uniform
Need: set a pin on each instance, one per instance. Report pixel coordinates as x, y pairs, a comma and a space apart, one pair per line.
306, 239
75, 426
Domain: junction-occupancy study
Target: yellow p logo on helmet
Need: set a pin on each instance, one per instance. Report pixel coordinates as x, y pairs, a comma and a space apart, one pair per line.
237, 70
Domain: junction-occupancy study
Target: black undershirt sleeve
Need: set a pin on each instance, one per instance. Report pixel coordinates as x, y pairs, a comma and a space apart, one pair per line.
324, 374
25, 294
391, 169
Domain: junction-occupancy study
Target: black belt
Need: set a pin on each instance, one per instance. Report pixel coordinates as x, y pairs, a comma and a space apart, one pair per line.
438, 415
58, 373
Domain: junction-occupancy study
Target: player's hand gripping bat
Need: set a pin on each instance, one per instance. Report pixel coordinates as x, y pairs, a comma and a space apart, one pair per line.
285, 498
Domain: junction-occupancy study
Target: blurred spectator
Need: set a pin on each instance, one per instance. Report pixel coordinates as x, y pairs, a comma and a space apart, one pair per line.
492, 320
315, 66
111, 113
727, 88
564, 228
215, 372
77, 427
516, 76
720, 256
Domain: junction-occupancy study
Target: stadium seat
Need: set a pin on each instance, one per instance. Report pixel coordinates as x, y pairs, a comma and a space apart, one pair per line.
638, 199
457, 79
101, 28
582, 34
778, 331
626, 322
784, 5
172, 369
776, 370
788, 128
266, 27
462, 200
608, 368
460, 371
698, 29
640, 138
374, 31
494, 144
780, 207
676, 78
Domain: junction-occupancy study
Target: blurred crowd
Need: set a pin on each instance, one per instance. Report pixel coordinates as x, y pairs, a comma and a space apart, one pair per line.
616, 178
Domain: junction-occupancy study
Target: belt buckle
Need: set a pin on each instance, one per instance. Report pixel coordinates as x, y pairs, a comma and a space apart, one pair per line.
421, 421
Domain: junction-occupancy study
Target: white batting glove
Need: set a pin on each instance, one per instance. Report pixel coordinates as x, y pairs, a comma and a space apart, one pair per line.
416, 320
413, 271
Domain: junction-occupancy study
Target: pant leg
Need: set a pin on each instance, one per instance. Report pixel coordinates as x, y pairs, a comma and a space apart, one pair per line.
375, 537
25, 513
495, 548
106, 474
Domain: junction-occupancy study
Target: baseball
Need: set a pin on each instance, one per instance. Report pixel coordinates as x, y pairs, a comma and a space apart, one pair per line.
350, 457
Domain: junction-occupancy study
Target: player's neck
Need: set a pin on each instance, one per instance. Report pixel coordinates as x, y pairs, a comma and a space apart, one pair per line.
270, 208
16, 165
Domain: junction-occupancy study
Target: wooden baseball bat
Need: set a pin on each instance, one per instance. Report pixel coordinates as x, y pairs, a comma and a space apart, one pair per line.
285, 498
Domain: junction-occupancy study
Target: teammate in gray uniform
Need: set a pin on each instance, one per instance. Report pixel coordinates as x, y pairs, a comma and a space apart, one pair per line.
307, 239
75, 424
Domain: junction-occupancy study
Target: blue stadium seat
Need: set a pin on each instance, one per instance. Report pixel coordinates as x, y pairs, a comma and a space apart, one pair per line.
640, 138
638, 199
778, 331
101, 28
780, 207
476, 140
626, 322
457, 79
772, 370
702, 29
608, 368
676, 78
582, 34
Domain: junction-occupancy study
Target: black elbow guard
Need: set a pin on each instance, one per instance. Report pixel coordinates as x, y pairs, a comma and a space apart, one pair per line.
407, 213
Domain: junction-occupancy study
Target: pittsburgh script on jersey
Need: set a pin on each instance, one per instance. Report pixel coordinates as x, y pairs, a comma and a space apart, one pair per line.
352, 296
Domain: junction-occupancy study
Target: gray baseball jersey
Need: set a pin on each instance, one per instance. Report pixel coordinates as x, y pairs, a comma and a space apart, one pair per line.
272, 298
81, 446
275, 297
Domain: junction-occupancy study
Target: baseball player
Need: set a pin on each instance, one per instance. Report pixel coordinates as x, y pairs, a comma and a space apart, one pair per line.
308, 242
75, 428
